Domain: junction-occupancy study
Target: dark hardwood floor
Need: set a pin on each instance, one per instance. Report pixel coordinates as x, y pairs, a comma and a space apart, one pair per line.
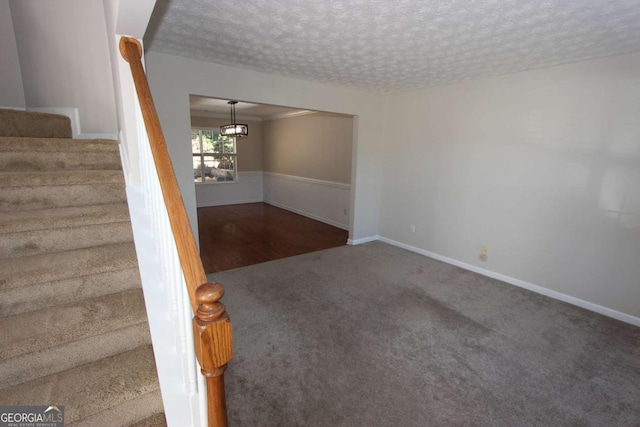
238, 235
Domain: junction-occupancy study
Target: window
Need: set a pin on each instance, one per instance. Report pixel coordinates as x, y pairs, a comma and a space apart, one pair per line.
214, 156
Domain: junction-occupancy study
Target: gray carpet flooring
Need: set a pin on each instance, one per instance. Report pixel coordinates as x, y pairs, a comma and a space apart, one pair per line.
373, 335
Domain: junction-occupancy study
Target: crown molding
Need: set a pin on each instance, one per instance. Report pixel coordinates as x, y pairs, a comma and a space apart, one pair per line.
239, 117
291, 114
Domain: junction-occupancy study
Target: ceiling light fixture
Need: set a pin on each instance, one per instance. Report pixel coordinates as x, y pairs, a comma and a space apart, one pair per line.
234, 129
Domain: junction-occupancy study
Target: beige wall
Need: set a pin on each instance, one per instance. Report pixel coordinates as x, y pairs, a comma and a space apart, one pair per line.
64, 59
249, 148
11, 89
316, 146
543, 167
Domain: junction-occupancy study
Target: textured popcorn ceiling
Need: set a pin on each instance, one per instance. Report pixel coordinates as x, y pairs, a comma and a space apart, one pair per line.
394, 45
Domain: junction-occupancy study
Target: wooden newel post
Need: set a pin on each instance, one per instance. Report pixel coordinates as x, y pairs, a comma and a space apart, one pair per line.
213, 345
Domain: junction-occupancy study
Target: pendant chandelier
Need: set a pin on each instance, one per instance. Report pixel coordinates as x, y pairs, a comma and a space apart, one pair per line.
234, 129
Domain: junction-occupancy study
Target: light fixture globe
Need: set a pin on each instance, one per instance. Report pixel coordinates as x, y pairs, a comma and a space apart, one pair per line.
234, 130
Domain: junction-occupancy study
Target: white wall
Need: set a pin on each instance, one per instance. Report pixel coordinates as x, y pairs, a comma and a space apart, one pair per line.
543, 167
173, 78
11, 89
64, 59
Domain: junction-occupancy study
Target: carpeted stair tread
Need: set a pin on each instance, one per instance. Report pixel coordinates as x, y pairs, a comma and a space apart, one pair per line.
66, 178
35, 231
37, 242
57, 359
44, 161
143, 411
54, 145
55, 326
63, 195
33, 269
91, 388
23, 299
156, 420
75, 216
32, 124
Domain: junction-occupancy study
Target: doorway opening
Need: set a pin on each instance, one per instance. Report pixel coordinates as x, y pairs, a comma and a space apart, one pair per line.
283, 190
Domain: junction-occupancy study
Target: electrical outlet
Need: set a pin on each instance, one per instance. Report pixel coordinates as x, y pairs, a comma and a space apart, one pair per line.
484, 253
413, 228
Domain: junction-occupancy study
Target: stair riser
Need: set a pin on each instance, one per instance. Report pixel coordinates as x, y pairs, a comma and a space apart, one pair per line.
24, 299
146, 407
58, 326
14, 161
37, 125
79, 216
39, 364
55, 196
75, 147
26, 271
38, 242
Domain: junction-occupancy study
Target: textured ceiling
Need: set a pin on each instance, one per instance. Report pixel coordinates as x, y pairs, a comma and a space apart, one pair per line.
394, 45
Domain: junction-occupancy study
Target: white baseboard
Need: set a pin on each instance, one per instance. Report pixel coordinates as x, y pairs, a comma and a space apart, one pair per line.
362, 240
307, 214
6, 107
627, 318
228, 202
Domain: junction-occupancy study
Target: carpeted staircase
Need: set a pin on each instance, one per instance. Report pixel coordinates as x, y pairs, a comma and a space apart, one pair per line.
73, 326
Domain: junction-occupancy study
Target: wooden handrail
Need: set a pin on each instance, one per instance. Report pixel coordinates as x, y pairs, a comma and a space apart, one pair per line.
211, 324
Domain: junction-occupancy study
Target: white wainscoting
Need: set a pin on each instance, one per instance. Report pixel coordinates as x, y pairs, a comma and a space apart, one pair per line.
248, 189
324, 201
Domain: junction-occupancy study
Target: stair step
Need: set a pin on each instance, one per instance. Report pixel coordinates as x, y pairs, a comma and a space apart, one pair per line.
54, 360
62, 239
143, 411
42, 161
54, 145
57, 196
59, 178
38, 154
36, 231
56, 326
76, 216
29, 270
26, 298
38, 125
51, 340
95, 387
156, 420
